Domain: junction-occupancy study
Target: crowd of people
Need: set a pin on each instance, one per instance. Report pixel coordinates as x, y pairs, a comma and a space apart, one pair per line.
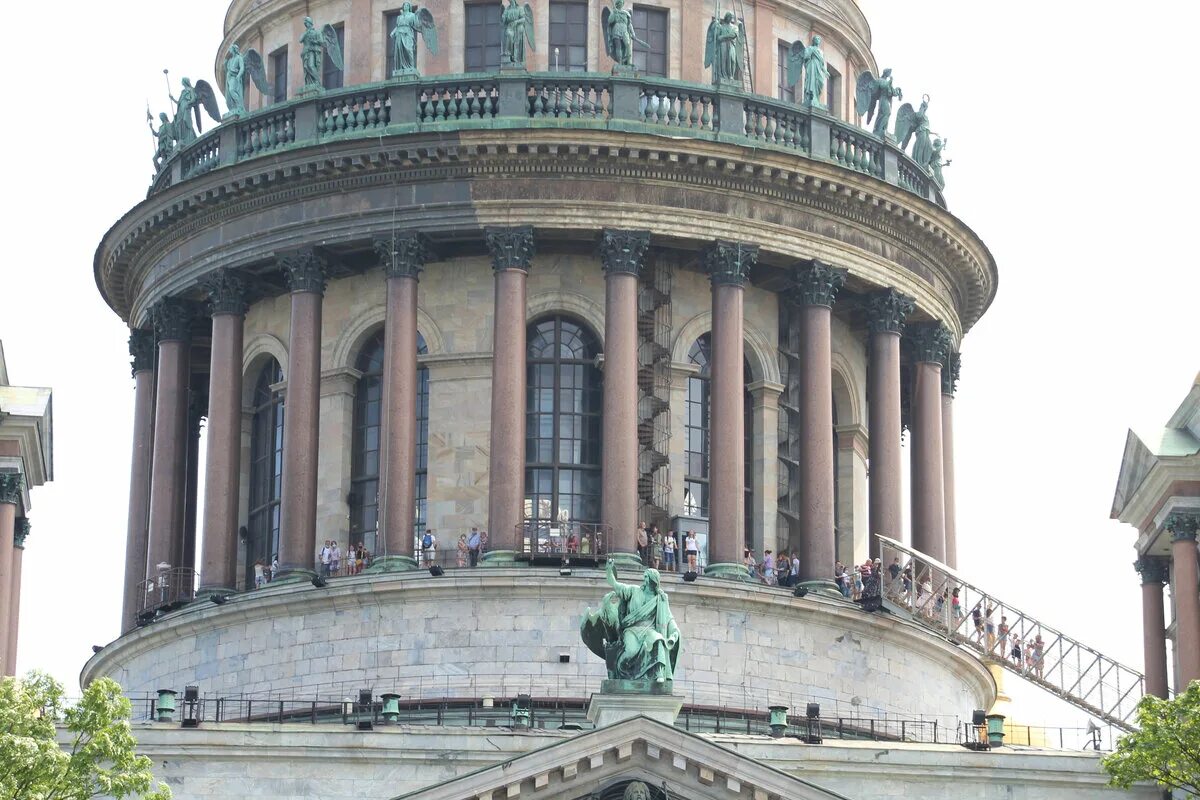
664, 551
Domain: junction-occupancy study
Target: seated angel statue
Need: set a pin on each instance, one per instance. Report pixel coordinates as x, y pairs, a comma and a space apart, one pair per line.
634, 630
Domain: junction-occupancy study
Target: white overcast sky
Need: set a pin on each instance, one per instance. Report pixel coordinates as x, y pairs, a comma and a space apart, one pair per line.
1073, 144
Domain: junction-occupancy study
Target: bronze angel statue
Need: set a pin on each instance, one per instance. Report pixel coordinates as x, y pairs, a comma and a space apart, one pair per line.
237, 66
191, 99
619, 36
411, 23
914, 125
314, 48
810, 60
724, 48
518, 32
873, 98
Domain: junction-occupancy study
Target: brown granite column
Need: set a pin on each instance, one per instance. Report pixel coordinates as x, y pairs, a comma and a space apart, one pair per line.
21, 531
10, 497
305, 273
402, 259
1186, 591
222, 469
512, 252
886, 311
1154, 574
930, 342
815, 287
622, 253
172, 327
950, 371
728, 265
141, 349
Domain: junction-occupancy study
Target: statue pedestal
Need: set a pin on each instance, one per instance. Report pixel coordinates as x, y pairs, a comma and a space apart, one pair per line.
623, 71
622, 700
406, 75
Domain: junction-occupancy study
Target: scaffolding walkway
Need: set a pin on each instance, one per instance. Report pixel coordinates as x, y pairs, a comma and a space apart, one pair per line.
1065, 667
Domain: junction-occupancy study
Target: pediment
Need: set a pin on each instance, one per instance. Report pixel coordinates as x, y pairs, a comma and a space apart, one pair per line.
1135, 464
596, 763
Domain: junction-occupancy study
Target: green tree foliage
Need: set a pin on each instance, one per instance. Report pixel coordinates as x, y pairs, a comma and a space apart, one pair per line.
94, 755
1165, 749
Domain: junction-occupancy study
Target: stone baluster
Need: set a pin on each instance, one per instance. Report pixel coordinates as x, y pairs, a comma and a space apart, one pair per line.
137, 537
930, 343
886, 311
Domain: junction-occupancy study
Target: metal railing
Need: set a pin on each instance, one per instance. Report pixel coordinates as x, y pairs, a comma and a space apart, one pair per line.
1000, 633
171, 589
583, 100
551, 542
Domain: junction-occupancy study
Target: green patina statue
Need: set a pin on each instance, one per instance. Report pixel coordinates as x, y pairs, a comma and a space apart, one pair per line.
191, 100
936, 163
411, 23
914, 125
619, 36
724, 48
810, 61
164, 139
634, 631
873, 98
518, 32
314, 48
237, 66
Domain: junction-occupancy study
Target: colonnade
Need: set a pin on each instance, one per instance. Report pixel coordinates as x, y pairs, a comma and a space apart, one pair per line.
159, 479
1156, 571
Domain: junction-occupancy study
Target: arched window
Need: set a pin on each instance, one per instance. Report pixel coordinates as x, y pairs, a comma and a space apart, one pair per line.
562, 428
696, 430
266, 469
366, 445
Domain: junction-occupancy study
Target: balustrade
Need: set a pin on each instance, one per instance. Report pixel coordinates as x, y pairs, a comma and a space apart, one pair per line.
677, 107
911, 177
353, 114
262, 134
203, 155
856, 150
569, 98
452, 102
778, 126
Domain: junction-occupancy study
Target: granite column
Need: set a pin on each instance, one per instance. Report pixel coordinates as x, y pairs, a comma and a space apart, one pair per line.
728, 265
222, 468
950, 370
305, 271
886, 311
11, 484
930, 342
172, 327
137, 535
512, 252
622, 253
1154, 574
1186, 591
21, 531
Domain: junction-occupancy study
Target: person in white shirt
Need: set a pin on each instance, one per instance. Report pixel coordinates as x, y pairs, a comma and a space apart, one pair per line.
260, 574
429, 547
326, 558
335, 559
691, 550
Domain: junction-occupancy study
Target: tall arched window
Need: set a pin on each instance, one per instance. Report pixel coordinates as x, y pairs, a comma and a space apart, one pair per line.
562, 428
366, 444
696, 430
266, 469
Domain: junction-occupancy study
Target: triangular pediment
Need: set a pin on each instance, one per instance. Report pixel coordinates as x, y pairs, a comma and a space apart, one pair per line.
661, 756
1135, 465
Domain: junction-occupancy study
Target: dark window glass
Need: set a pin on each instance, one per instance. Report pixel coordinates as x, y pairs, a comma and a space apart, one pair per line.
569, 36
833, 92
786, 91
332, 76
481, 49
279, 75
266, 469
650, 24
562, 434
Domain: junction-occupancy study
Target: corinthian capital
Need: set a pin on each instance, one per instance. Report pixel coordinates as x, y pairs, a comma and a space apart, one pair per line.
930, 342
1153, 569
10, 487
305, 271
951, 367
141, 350
729, 263
1183, 525
817, 284
511, 248
21, 532
887, 310
172, 320
404, 254
226, 292
623, 251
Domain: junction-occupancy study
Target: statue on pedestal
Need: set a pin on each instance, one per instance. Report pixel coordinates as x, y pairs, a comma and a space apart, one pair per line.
518, 31
634, 630
912, 124
411, 23
811, 61
314, 47
237, 66
873, 98
191, 99
164, 139
724, 49
936, 163
619, 36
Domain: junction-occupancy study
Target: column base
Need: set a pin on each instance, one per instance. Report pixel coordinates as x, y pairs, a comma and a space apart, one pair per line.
731, 572
823, 588
385, 564
499, 558
630, 561
292, 575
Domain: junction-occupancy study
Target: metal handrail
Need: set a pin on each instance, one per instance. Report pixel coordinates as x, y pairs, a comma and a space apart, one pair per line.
543, 539
169, 590
1079, 674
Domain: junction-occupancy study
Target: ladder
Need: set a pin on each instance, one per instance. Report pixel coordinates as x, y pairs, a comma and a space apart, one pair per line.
747, 71
1065, 667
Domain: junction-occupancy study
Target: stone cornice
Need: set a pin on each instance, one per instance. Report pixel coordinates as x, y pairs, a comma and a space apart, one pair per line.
816, 284
728, 263
305, 271
11, 484
141, 350
951, 368
887, 310
21, 532
226, 290
511, 248
172, 320
623, 251
403, 255
1183, 526
930, 342
1153, 569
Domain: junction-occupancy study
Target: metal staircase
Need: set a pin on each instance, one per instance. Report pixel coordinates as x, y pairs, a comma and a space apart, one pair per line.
654, 390
789, 421
1066, 667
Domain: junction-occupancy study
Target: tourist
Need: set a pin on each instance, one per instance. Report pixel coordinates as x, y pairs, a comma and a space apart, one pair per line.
260, 574
474, 540
860, 576
977, 619
1028, 655
656, 547
585, 544
1016, 652
794, 577
691, 550
326, 557
956, 607
906, 582
669, 547
335, 559
750, 563
461, 551
362, 558
939, 606
573, 543
643, 544
1002, 641
894, 571
768, 568
429, 547
990, 627
841, 579
1039, 656
274, 568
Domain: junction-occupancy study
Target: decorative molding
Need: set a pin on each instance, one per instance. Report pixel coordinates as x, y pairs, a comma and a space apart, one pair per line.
172, 320
930, 342
403, 255
1183, 525
887, 310
951, 366
623, 251
511, 248
761, 350
11, 484
226, 292
141, 350
816, 283
1153, 569
305, 271
728, 263
21, 532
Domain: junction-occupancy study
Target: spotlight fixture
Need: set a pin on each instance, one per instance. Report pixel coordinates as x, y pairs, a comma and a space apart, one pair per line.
96, 648
564, 658
564, 572
813, 713
800, 591
437, 571
979, 717
689, 577
218, 599
319, 581
813, 710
